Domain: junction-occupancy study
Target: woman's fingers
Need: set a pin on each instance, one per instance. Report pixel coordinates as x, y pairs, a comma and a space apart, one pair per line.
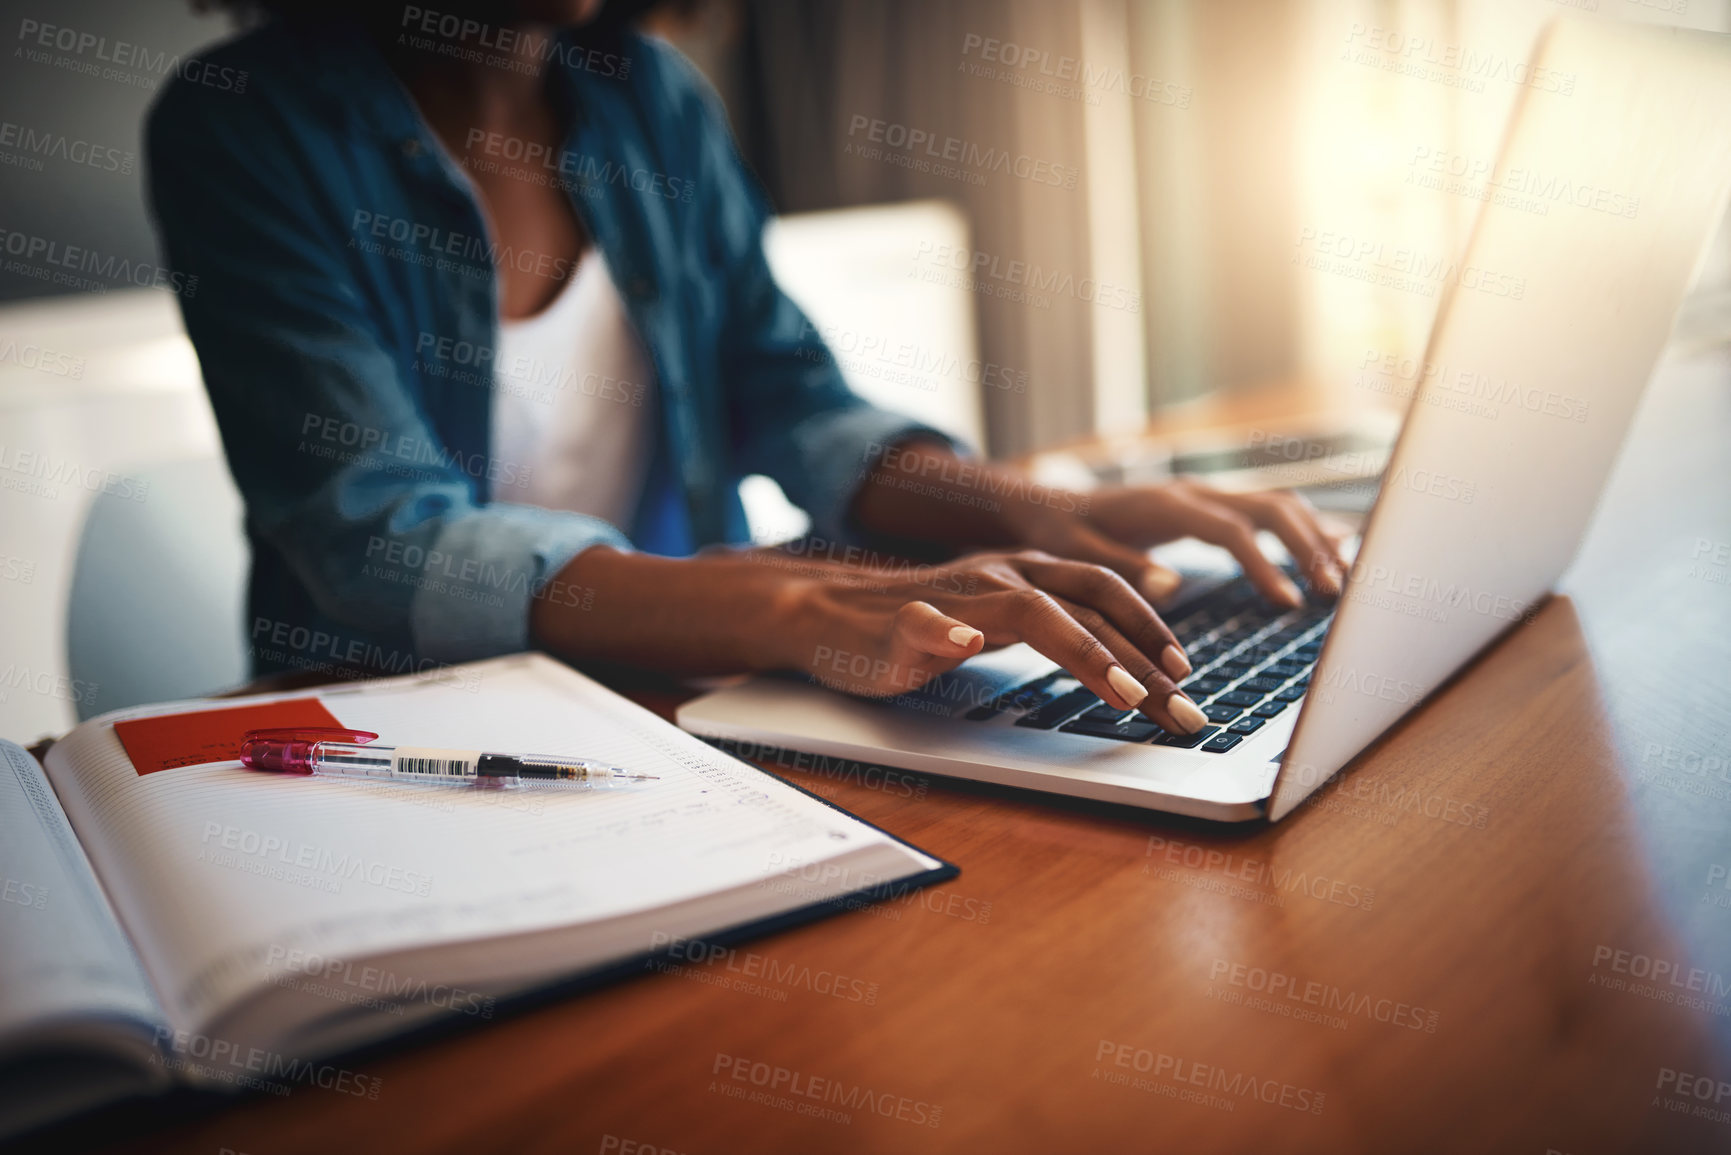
1097, 628
1037, 618
922, 628
1165, 703
1084, 617
1092, 650
1292, 520
1339, 534
1316, 543
882, 650
1153, 581
1107, 592
922, 643
1207, 519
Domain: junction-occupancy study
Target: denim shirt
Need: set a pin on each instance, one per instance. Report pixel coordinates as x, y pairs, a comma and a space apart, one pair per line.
346, 308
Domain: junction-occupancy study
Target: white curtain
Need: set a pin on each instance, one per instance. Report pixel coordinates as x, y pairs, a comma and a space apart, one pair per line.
1219, 146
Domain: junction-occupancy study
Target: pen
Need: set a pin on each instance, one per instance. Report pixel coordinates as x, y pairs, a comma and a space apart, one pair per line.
346, 754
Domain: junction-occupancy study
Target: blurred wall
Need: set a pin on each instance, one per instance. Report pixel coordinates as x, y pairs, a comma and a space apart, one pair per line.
71, 158
853, 102
1211, 141
1185, 202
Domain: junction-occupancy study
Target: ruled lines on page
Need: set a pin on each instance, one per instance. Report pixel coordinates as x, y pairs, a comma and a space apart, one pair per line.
215, 867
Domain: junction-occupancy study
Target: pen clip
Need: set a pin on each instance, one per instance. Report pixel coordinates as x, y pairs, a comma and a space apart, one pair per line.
289, 748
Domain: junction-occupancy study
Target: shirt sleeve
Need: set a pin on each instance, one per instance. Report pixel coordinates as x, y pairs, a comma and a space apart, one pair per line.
792, 416
340, 467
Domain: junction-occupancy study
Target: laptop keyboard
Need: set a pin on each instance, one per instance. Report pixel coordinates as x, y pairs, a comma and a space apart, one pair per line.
1251, 661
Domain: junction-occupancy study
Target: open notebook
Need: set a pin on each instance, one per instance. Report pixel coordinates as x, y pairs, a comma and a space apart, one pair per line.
226, 927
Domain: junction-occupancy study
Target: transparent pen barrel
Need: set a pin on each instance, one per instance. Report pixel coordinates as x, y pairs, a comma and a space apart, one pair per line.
349, 760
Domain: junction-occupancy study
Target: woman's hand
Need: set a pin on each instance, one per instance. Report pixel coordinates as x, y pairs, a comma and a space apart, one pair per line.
1134, 518
920, 491
876, 633
893, 636
1076, 584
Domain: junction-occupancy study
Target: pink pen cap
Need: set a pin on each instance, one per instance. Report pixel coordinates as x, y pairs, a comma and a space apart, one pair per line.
295, 750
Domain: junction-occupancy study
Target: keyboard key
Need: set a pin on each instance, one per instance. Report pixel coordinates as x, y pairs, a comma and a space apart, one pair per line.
1105, 713
1187, 741
1220, 712
1131, 730
1290, 694
1270, 708
1247, 725
1238, 698
1204, 686
1137, 730
1045, 716
1221, 743
1261, 685
1024, 697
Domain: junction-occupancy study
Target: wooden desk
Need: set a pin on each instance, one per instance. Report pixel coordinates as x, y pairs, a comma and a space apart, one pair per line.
1473, 901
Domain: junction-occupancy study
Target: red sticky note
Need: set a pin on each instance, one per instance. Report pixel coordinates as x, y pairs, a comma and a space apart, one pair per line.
170, 740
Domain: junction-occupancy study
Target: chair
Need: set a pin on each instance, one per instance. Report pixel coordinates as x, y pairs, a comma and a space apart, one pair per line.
156, 609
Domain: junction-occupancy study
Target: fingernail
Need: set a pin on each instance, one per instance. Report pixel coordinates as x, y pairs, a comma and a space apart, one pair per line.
1289, 593
1185, 713
1125, 686
1173, 661
1160, 584
964, 636
1328, 581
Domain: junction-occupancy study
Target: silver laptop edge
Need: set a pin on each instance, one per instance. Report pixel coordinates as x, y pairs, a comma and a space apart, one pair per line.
1512, 435
1546, 334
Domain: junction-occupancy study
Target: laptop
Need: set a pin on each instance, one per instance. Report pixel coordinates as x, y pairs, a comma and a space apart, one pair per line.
1593, 225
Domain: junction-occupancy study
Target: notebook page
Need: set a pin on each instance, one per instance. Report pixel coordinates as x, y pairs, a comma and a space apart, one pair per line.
220, 872
62, 954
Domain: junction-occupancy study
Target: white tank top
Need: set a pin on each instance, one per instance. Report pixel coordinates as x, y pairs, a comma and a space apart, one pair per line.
574, 401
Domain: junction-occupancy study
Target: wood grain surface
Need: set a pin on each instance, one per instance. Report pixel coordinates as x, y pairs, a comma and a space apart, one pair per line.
1452, 948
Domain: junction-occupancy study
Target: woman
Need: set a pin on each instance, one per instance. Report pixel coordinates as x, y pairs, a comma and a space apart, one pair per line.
485, 318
